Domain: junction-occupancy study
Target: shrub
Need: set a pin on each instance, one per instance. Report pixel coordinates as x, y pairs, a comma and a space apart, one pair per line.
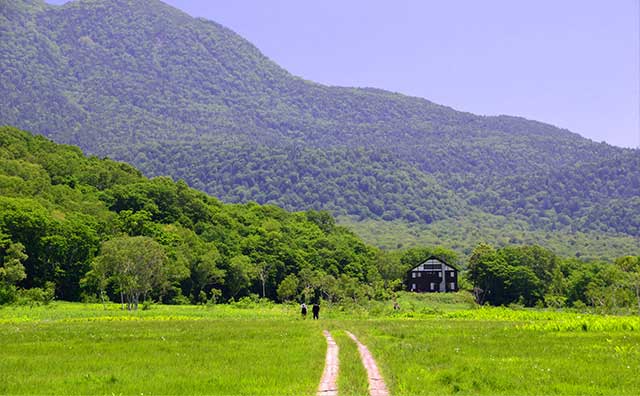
37, 295
179, 300
8, 294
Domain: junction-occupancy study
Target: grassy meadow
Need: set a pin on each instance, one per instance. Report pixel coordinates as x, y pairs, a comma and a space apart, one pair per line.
82, 349
435, 344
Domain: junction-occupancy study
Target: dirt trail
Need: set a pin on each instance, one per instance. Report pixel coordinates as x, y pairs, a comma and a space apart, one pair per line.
377, 386
329, 382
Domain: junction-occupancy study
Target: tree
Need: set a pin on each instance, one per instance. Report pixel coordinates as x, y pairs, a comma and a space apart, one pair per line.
479, 262
541, 261
205, 271
238, 274
288, 288
261, 271
606, 291
522, 284
322, 219
135, 265
11, 270
309, 280
329, 287
630, 265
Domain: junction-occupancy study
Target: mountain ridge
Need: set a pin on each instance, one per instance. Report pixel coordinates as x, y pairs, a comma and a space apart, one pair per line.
135, 80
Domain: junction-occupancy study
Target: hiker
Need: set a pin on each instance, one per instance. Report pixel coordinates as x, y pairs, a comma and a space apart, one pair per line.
303, 309
316, 311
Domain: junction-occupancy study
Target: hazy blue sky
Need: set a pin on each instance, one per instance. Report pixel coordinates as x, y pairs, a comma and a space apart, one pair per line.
571, 63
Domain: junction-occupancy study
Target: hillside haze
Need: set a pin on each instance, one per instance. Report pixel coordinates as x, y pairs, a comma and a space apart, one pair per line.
139, 81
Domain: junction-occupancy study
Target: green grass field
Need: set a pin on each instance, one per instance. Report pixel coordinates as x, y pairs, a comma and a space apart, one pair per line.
82, 349
434, 345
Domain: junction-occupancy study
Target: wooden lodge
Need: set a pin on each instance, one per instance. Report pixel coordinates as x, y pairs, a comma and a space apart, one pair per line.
433, 275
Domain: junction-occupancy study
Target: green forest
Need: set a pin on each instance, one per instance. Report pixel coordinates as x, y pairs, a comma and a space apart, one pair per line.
68, 218
81, 228
144, 83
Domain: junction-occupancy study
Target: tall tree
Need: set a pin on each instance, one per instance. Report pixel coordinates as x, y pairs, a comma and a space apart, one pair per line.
630, 265
11, 269
135, 265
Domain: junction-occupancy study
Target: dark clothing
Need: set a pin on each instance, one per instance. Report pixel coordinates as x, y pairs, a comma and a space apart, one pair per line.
304, 311
316, 311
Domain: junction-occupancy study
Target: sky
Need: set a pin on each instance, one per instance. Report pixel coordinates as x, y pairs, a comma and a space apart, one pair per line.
571, 63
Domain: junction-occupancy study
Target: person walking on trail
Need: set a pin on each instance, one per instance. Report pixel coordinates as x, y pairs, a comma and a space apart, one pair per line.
316, 311
303, 310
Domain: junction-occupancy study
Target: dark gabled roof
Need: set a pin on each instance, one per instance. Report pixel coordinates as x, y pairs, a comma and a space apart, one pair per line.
434, 258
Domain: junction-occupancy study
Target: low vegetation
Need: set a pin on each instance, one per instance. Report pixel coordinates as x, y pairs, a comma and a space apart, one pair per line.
435, 345
181, 350
489, 357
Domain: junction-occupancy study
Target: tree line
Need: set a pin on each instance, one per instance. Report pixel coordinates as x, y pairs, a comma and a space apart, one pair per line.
82, 228
535, 276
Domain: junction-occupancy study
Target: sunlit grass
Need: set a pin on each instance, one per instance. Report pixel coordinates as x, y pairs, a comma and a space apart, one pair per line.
225, 356
435, 345
485, 357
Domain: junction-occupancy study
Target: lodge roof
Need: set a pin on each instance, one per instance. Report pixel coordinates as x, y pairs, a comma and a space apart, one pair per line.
434, 258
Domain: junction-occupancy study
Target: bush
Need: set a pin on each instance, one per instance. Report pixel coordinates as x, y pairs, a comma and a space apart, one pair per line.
37, 295
555, 301
179, 300
8, 294
579, 305
89, 298
216, 294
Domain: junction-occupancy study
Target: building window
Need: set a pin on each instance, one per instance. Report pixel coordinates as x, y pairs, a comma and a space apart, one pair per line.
419, 274
413, 274
413, 286
453, 285
433, 286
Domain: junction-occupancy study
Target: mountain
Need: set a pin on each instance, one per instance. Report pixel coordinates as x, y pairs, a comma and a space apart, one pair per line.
142, 82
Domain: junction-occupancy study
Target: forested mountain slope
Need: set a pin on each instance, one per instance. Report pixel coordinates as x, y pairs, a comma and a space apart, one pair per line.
58, 207
143, 82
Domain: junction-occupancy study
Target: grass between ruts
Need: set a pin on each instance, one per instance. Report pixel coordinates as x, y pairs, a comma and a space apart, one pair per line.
352, 376
433, 346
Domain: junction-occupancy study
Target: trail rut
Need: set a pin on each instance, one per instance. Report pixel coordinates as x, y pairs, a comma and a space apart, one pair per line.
377, 387
329, 382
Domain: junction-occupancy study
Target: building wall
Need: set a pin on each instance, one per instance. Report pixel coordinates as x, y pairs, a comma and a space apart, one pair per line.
430, 277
